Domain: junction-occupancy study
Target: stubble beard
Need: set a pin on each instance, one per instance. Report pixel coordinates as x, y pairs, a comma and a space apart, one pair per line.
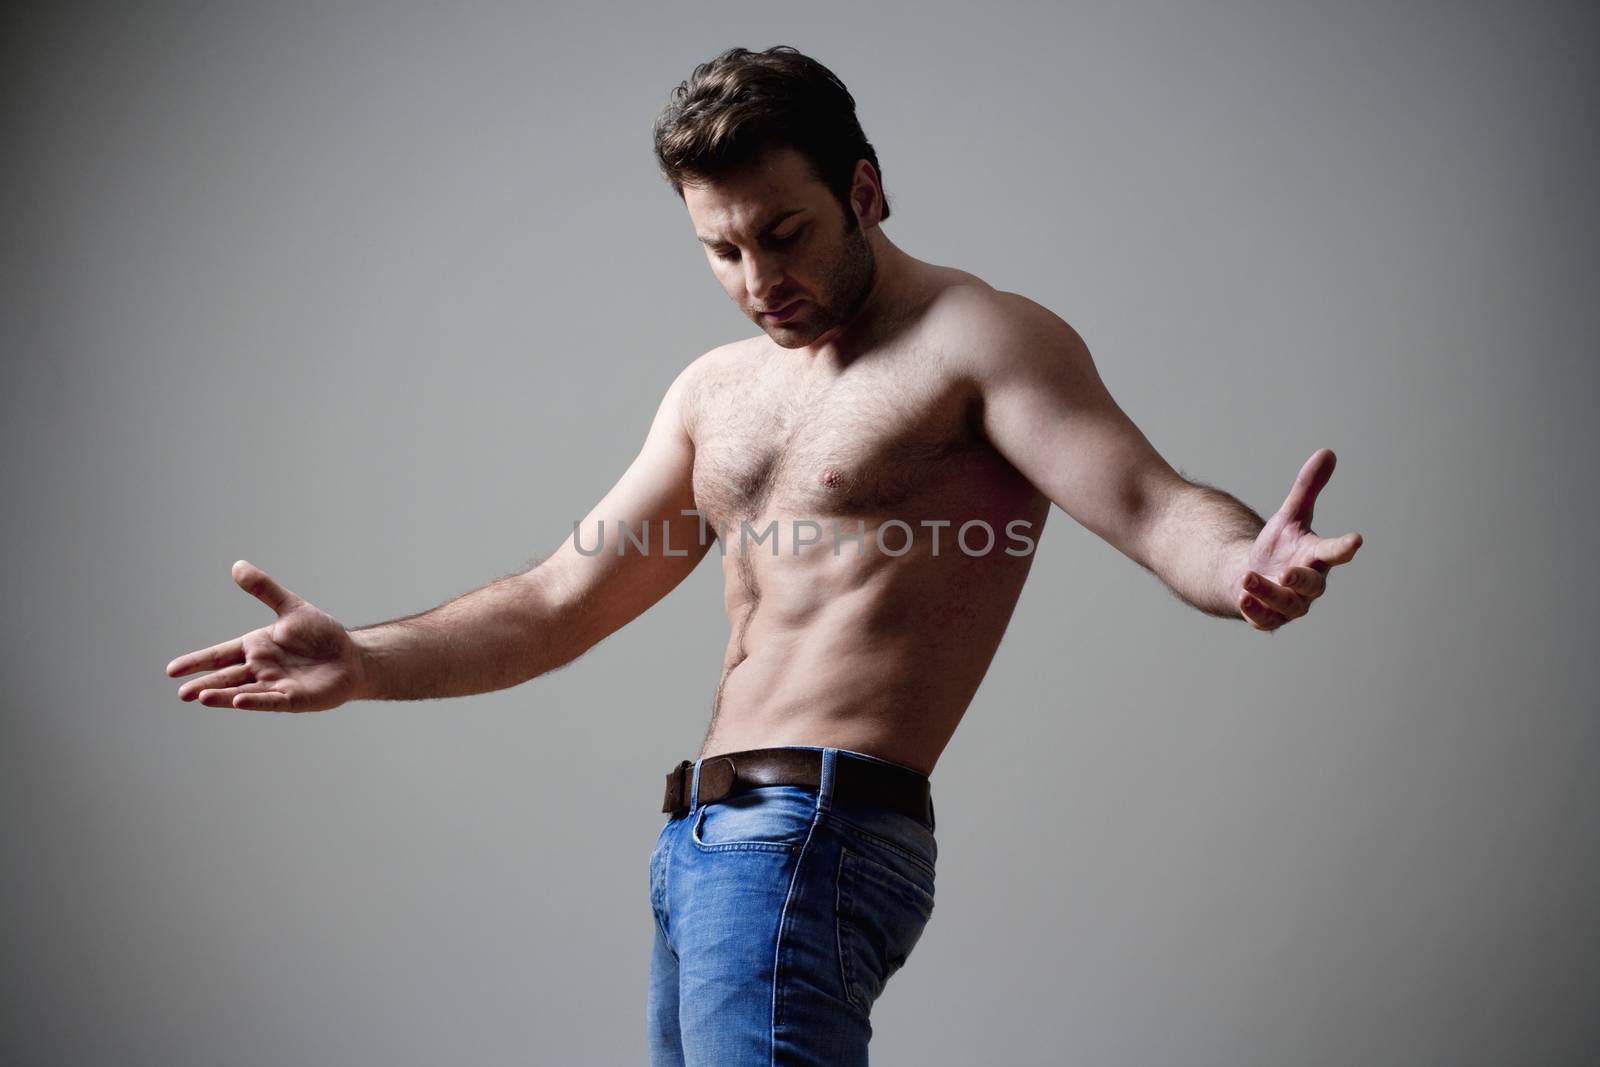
847, 283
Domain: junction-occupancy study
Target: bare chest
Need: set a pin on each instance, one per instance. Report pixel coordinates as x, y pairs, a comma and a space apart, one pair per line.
864, 441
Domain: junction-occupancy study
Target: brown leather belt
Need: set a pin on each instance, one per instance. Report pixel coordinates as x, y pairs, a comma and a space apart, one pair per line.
856, 781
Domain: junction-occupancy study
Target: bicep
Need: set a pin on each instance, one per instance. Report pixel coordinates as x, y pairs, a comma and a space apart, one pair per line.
1048, 412
603, 577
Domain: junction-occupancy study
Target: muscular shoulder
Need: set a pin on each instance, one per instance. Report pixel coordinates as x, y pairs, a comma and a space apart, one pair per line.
976, 311
992, 334
705, 374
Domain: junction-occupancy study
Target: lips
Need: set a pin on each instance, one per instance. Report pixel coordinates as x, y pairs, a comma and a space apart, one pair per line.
784, 312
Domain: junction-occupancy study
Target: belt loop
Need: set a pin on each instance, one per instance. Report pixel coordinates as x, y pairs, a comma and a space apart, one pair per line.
694, 786
825, 787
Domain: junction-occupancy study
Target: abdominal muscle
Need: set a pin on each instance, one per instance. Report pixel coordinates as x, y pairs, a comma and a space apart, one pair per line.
864, 651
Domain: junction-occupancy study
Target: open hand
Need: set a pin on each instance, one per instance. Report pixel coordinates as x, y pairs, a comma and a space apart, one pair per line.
304, 661
1287, 566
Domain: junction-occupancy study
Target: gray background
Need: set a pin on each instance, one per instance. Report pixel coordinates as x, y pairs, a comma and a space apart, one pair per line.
382, 298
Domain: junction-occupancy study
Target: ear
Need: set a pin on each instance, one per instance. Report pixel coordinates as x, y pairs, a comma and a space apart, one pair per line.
866, 194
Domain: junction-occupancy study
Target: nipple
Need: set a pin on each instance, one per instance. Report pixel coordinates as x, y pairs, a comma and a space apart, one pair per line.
832, 477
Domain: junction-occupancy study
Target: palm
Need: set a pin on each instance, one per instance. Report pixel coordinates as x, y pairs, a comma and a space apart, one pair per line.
305, 651
1284, 542
1287, 566
303, 661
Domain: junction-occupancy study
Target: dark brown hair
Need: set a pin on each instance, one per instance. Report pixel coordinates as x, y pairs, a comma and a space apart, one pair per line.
737, 105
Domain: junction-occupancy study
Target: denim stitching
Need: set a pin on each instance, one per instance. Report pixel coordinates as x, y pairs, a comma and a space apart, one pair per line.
660, 863
737, 846
914, 857
841, 903
875, 870
854, 866
784, 922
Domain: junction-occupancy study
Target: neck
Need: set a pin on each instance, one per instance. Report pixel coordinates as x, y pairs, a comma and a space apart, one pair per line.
891, 282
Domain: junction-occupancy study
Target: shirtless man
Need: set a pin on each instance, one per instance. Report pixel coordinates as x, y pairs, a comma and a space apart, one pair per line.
873, 470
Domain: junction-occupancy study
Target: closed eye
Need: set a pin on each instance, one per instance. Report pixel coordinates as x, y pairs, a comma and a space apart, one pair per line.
730, 254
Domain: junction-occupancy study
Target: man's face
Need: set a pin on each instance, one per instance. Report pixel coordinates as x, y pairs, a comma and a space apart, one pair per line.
777, 240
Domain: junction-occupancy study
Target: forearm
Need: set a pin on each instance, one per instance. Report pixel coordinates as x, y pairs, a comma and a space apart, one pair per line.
1199, 546
494, 637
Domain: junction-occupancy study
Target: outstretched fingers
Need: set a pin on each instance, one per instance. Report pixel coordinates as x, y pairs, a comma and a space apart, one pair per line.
255, 696
223, 655
236, 675
264, 700
1332, 551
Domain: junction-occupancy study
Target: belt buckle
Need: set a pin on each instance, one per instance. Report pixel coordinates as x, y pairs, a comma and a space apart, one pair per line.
717, 777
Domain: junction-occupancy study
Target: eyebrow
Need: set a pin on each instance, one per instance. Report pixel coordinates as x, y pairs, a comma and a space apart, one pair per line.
768, 228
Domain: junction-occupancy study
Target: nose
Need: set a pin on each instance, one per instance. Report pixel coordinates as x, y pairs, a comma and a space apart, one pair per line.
762, 276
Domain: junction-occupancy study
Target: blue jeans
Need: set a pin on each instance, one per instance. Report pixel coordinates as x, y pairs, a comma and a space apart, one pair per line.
779, 915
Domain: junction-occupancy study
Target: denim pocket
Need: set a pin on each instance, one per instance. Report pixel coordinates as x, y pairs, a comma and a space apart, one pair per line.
881, 916
902, 837
769, 818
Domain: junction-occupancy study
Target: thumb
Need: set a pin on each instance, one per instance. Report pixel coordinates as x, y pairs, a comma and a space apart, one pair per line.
259, 584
